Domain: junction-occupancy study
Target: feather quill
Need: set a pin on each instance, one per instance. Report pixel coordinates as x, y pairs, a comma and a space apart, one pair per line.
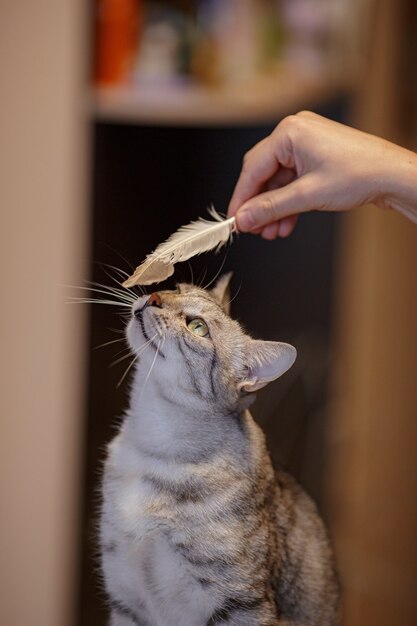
199, 236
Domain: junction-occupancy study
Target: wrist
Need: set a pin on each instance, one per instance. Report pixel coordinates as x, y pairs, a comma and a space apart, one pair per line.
398, 189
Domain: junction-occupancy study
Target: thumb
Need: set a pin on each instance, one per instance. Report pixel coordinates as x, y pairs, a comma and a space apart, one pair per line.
271, 206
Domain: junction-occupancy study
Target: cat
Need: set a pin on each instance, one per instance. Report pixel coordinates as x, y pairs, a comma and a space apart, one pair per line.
196, 528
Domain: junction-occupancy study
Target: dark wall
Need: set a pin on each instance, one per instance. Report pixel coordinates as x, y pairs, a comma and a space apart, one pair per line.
149, 181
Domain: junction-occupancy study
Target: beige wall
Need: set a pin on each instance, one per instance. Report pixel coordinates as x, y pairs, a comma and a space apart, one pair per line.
42, 246
373, 443
374, 422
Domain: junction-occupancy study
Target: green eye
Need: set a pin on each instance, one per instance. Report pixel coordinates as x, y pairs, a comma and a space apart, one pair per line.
198, 327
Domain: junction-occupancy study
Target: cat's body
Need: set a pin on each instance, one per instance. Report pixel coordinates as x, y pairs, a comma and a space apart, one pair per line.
196, 529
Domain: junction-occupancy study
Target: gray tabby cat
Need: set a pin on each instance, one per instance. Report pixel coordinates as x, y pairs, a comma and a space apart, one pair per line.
196, 530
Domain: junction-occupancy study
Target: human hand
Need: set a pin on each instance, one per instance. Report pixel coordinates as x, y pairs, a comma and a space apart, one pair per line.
310, 163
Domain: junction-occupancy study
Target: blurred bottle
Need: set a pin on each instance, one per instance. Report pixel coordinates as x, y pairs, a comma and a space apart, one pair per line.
163, 55
315, 40
272, 34
227, 45
117, 29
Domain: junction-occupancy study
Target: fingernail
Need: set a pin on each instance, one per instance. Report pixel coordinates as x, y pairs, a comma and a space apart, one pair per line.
244, 220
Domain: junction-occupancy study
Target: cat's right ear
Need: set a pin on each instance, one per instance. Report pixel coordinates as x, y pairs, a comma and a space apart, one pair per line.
221, 291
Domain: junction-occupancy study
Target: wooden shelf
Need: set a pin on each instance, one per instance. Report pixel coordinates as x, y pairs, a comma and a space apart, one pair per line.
264, 99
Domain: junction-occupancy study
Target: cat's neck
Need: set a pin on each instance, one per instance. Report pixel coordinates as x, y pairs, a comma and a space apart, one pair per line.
169, 423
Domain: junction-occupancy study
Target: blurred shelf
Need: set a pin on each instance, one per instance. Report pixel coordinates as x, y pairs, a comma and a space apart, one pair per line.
264, 99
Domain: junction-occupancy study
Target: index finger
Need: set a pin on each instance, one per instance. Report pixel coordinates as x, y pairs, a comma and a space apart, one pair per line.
259, 165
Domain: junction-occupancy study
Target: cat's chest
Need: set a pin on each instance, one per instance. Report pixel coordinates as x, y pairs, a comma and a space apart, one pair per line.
158, 544
135, 508
196, 510
154, 571
140, 501
175, 508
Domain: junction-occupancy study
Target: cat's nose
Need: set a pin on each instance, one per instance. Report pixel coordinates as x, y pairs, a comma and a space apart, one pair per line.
154, 300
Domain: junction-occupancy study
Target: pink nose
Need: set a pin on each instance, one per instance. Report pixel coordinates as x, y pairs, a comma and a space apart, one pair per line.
154, 300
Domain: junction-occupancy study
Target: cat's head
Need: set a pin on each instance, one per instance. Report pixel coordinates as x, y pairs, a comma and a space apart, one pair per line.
194, 347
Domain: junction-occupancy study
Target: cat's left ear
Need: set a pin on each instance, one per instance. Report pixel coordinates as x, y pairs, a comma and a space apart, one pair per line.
268, 360
221, 291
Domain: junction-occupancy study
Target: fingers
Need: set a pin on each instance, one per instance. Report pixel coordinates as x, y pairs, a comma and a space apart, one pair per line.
271, 231
274, 186
263, 168
259, 165
272, 206
287, 225
282, 229
282, 177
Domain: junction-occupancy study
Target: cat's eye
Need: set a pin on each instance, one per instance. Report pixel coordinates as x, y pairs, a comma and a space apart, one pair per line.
198, 327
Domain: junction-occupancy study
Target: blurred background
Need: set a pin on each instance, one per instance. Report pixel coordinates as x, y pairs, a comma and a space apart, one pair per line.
121, 120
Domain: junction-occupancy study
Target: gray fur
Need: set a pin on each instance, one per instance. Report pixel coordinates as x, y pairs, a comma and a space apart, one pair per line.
196, 529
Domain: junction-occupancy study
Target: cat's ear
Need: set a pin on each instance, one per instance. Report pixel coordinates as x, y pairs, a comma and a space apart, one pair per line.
221, 291
268, 360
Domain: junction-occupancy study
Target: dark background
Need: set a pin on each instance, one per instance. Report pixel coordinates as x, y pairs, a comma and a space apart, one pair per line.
147, 182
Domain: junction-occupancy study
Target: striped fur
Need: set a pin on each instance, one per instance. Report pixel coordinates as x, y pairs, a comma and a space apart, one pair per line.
196, 529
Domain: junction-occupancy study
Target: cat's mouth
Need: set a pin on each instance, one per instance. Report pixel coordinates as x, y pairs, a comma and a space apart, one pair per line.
138, 314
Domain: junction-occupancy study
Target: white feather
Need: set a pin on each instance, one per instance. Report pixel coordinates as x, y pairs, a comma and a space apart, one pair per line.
194, 238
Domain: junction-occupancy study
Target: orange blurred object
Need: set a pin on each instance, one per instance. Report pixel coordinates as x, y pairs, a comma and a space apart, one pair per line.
117, 27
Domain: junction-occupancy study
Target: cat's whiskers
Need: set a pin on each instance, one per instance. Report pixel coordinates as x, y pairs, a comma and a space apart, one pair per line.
123, 275
137, 354
79, 300
117, 330
237, 293
127, 370
117, 296
200, 279
116, 269
124, 259
191, 272
108, 343
136, 290
111, 291
122, 358
160, 342
136, 357
147, 344
122, 292
218, 272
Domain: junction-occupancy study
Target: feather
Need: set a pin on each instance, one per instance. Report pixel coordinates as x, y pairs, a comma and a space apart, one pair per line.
194, 238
